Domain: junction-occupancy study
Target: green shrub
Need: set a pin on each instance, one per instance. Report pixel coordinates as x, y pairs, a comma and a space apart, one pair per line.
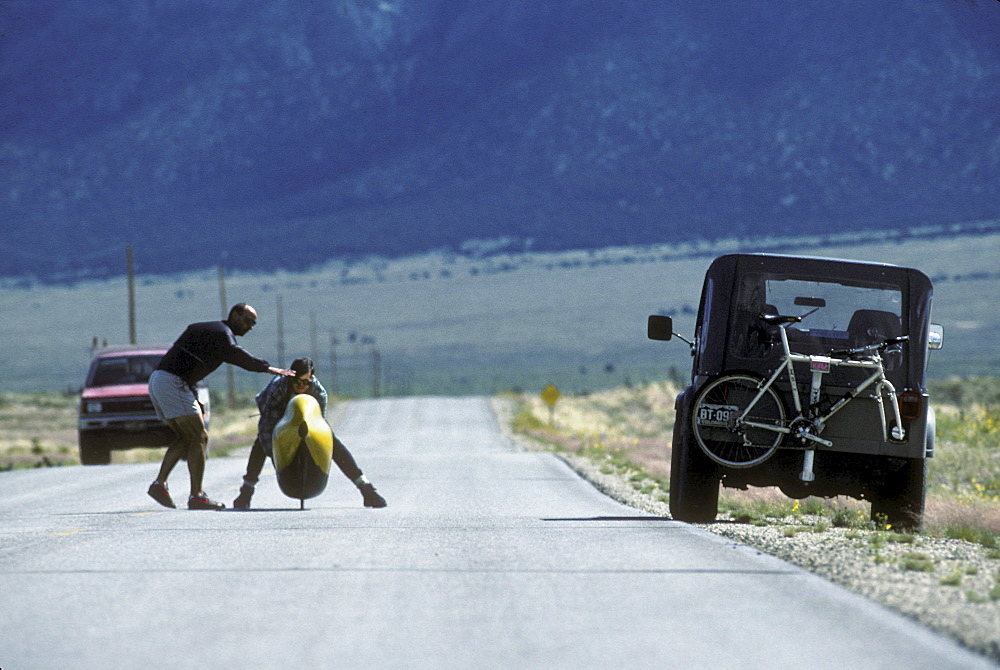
955, 579
917, 562
972, 534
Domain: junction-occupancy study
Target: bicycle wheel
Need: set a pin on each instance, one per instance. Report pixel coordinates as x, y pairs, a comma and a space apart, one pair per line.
714, 415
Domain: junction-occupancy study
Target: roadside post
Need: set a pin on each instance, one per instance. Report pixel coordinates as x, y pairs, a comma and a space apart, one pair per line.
550, 394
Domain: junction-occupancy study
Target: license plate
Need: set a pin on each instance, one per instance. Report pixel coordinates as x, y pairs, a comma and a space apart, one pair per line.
716, 416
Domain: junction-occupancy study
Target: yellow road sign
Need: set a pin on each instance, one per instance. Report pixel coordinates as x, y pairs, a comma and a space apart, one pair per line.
550, 394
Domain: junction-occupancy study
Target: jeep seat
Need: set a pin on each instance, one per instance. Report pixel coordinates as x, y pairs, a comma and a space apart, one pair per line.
870, 326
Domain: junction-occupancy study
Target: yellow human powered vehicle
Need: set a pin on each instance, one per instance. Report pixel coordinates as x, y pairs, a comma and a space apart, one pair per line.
303, 449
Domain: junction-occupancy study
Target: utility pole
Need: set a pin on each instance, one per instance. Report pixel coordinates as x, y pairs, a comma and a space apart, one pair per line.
312, 337
281, 334
376, 372
357, 365
334, 387
225, 314
131, 294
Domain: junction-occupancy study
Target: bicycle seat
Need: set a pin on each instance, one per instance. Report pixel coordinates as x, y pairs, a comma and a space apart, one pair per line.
778, 319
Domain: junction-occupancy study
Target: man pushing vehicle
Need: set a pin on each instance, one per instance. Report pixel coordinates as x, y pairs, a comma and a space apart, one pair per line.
200, 349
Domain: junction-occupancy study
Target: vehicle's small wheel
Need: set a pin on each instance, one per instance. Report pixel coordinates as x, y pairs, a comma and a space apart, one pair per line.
93, 451
694, 478
713, 420
900, 501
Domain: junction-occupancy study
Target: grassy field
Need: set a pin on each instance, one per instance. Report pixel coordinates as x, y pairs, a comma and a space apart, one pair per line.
444, 324
629, 430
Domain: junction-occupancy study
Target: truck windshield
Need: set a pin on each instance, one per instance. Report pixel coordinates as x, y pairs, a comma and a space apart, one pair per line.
123, 370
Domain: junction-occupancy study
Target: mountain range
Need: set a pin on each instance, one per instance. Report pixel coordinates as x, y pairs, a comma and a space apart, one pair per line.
278, 134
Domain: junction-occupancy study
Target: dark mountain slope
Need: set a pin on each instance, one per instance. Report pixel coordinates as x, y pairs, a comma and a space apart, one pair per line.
286, 133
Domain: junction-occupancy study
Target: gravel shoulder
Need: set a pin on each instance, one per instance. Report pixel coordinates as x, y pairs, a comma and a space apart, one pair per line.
944, 584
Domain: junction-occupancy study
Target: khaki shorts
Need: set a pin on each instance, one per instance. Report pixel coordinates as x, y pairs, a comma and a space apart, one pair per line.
172, 397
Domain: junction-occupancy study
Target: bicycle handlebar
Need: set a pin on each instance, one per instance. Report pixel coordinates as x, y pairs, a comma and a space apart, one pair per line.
881, 346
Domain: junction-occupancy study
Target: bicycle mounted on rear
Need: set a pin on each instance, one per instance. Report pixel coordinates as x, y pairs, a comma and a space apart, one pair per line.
740, 420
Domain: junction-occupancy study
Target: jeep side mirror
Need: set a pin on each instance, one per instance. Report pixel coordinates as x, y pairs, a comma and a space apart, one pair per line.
935, 336
659, 327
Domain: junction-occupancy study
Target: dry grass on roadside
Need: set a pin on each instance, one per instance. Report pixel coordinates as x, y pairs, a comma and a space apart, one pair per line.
631, 429
950, 516
39, 430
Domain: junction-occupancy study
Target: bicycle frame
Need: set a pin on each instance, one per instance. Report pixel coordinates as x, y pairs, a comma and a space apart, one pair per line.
807, 427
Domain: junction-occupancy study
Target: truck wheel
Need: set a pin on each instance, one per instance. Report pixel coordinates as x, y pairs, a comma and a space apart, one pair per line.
694, 479
92, 451
900, 502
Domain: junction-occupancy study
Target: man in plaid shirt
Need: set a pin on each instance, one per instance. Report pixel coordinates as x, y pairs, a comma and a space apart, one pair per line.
272, 401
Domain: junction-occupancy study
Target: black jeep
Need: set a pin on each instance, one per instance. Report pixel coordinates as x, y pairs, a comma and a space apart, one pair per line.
848, 324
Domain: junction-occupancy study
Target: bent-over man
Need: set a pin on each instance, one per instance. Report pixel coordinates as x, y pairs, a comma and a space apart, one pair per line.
200, 349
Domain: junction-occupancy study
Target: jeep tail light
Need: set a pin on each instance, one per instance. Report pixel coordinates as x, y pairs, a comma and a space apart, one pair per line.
909, 405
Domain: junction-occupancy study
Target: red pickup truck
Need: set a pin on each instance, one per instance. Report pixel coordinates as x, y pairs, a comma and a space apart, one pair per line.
115, 409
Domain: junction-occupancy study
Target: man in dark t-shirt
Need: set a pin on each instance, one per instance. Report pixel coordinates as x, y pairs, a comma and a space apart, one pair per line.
201, 349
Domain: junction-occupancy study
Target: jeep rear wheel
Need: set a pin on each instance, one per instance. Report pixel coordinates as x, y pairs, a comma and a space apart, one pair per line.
694, 478
900, 501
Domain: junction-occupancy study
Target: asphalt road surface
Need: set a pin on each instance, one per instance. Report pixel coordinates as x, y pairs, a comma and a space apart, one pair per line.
487, 557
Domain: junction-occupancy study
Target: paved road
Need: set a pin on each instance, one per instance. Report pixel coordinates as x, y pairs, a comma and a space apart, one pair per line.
487, 557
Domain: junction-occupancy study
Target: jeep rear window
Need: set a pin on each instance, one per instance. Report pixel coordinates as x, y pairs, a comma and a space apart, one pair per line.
123, 370
836, 314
